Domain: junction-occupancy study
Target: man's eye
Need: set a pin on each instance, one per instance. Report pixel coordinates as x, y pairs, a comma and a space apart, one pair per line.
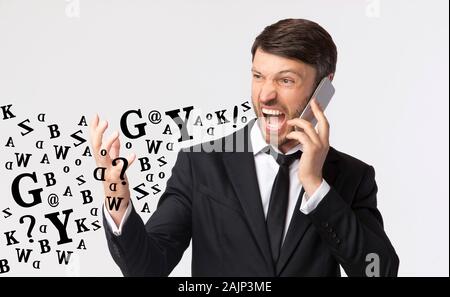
287, 81
257, 76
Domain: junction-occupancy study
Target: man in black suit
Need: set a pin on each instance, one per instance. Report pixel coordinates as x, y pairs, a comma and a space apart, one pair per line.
268, 200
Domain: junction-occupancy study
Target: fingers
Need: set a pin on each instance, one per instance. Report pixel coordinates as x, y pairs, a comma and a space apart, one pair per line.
111, 140
323, 126
94, 123
307, 128
301, 137
115, 148
111, 145
93, 127
97, 135
131, 159
319, 138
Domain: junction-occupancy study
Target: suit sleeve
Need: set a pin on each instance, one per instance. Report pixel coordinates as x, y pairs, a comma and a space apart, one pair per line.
355, 232
155, 248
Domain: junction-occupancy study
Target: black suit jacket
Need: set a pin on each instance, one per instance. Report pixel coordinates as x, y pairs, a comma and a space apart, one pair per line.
213, 198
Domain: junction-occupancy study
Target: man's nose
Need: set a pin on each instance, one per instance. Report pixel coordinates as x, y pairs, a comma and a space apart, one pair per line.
268, 92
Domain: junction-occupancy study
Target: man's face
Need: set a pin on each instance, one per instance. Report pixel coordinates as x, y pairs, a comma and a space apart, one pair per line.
280, 91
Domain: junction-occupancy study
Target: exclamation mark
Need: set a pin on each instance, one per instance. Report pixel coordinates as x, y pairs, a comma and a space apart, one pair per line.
235, 115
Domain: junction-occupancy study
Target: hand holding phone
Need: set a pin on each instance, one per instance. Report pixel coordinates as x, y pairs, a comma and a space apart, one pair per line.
323, 94
314, 152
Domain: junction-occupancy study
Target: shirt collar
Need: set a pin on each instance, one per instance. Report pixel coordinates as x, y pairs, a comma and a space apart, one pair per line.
259, 143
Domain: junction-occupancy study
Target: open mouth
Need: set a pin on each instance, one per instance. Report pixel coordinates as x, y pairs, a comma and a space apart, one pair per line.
273, 118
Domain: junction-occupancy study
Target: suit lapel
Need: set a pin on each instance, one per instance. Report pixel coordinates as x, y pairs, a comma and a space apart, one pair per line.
240, 167
300, 222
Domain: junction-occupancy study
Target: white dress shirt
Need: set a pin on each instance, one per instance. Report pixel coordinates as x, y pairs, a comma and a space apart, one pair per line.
266, 171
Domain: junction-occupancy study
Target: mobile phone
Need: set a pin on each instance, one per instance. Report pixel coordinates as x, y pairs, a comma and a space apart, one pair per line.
323, 94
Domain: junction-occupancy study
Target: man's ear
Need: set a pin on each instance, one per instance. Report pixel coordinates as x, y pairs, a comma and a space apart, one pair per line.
330, 76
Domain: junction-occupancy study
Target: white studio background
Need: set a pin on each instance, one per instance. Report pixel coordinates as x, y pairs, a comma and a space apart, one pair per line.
69, 58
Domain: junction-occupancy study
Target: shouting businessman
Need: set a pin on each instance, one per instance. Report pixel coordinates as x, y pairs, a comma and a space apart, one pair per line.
280, 202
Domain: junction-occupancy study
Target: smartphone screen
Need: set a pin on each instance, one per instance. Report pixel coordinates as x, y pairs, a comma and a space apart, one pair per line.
323, 94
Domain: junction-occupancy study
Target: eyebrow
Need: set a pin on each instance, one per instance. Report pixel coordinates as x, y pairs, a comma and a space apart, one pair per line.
283, 72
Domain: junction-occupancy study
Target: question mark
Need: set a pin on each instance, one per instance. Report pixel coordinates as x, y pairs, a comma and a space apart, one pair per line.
30, 228
124, 167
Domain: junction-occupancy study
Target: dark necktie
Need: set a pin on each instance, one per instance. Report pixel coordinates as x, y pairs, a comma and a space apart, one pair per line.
279, 197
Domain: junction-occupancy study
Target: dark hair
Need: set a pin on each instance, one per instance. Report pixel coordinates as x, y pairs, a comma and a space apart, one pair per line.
302, 40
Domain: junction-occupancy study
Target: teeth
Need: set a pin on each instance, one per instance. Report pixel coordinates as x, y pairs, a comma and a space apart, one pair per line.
272, 121
271, 111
